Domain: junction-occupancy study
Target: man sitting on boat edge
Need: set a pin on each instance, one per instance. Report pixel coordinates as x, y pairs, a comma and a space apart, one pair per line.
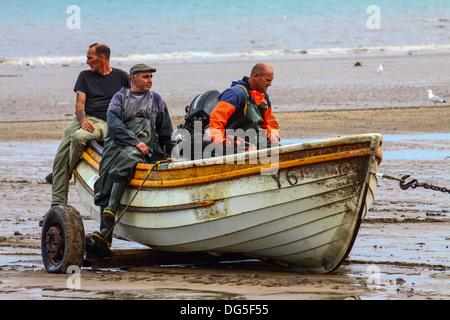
131, 140
94, 89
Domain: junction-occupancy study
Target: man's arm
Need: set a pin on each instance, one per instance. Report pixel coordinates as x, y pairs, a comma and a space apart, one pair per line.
229, 101
271, 126
218, 120
81, 113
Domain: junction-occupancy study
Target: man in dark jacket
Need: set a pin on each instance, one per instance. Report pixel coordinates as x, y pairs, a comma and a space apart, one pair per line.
138, 123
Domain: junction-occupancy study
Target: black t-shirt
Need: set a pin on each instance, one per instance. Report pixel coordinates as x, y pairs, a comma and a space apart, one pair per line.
100, 89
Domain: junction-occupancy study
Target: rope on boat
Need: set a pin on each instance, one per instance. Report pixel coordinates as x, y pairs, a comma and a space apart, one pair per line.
389, 177
154, 166
413, 183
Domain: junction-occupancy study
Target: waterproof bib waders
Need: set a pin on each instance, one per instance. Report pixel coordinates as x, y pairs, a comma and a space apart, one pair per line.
117, 168
250, 120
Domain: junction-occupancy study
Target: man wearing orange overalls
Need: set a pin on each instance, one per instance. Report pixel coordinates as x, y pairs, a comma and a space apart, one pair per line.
246, 105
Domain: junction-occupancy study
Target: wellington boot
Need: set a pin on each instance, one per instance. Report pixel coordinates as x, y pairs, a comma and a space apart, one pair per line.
106, 223
97, 247
117, 190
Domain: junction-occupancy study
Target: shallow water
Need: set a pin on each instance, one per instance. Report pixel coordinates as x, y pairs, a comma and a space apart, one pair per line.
37, 156
389, 137
428, 136
416, 154
432, 141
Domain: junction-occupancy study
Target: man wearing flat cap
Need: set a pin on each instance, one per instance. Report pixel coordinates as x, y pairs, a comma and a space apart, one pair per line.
139, 130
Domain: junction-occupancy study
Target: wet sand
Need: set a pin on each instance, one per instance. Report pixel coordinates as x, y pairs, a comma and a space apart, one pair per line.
403, 241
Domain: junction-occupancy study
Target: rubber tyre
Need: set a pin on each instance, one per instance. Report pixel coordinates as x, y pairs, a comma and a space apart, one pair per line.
62, 239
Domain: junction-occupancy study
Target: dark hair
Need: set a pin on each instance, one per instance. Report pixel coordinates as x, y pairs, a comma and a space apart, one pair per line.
101, 48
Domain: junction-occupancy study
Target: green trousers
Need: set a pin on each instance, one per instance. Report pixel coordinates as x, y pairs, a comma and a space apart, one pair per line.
69, 153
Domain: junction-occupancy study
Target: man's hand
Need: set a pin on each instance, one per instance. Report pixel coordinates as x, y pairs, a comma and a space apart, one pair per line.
229, 141
81, 113
142, 147
87, 125
273, 138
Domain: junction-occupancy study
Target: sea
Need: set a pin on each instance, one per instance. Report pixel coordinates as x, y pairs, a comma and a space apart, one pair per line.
60, 31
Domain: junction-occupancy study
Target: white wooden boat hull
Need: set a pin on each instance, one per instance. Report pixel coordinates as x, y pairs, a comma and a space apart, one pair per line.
305, 215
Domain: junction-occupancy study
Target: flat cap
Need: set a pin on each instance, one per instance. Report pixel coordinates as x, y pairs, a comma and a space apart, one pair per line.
141, 67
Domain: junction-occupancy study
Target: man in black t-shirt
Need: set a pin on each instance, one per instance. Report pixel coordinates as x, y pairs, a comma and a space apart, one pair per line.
94, 89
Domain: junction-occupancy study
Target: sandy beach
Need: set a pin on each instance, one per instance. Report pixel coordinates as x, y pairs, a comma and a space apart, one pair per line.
404, 237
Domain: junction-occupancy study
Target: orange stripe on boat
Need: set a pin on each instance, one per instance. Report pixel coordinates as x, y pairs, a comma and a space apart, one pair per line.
92, 157
234, 174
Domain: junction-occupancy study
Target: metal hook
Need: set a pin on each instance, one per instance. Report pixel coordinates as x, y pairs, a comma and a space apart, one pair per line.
405, 186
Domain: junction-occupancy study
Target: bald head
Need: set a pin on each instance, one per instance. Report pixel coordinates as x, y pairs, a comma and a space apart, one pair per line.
261, 77
261, 68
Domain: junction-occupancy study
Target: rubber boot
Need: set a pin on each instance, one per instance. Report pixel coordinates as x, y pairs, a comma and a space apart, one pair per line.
117, 190
97, 248
106, 223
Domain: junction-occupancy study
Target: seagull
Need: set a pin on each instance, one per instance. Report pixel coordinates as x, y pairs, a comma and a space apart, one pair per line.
434, 98
379, 69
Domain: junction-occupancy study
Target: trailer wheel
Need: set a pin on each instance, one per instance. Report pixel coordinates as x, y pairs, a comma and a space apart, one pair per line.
62, 239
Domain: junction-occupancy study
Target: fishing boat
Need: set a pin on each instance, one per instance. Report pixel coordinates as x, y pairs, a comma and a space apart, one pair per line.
297, 205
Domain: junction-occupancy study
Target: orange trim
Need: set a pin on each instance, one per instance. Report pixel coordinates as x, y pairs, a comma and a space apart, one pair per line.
379, 155
198, 204
92, 157
259, 97
79, 178
218, 120
235, 174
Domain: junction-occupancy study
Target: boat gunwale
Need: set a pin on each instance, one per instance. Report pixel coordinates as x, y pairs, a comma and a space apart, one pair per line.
285, 149
234, 174
257, 170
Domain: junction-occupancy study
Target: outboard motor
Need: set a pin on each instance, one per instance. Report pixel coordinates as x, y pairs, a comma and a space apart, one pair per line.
196, 124
200, 109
